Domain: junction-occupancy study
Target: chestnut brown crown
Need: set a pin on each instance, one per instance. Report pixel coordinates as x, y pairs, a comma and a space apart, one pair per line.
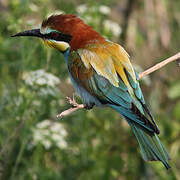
70, 24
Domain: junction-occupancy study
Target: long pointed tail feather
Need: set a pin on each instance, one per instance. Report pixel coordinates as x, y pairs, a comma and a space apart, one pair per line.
151, 147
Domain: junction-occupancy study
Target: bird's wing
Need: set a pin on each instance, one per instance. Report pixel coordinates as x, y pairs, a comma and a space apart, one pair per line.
111, 61
105, 71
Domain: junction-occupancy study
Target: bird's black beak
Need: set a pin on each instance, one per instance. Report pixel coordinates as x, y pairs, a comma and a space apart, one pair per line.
33, 32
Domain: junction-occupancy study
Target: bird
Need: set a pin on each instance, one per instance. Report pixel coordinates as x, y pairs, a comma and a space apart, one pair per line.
103, 76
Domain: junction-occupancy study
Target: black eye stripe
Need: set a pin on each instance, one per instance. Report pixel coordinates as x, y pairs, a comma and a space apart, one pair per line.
54, 35
58, 36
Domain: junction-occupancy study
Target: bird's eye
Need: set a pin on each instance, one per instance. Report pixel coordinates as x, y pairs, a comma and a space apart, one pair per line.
54, 35
58, 36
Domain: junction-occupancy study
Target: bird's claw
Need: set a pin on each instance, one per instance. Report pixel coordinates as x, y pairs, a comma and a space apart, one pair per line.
72, 101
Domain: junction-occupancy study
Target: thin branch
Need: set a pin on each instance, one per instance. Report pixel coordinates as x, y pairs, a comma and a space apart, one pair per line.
77, 106
160, 65
69, 111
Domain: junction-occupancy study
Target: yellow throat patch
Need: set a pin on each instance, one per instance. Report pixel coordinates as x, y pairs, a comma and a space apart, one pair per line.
60, 45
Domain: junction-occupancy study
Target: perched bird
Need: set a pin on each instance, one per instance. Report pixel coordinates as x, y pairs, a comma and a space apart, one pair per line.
102, 75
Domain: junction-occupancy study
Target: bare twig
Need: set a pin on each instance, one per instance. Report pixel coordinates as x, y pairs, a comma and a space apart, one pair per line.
69, 111
77, 106
160, 65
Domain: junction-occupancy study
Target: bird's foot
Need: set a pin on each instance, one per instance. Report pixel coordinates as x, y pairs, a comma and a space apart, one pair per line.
72, 101
75, 107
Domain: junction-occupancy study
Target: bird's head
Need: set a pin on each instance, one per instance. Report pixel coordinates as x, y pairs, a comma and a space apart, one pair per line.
63, 32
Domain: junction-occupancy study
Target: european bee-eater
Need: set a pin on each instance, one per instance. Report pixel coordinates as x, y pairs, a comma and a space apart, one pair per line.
102, 75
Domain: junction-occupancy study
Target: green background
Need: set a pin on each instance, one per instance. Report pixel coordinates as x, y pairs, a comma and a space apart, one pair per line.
98, 143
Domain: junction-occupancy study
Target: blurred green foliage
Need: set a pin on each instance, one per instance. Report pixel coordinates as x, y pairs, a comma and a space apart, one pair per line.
97, 144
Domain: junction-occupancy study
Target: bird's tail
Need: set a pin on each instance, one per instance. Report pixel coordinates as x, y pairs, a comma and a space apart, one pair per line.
151, 147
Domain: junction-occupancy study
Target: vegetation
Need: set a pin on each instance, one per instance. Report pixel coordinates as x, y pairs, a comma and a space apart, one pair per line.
94, 144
